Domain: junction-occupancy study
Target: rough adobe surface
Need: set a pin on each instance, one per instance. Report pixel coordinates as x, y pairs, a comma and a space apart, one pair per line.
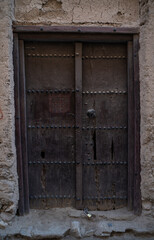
8, 172
147, 104
104, 12
76, 12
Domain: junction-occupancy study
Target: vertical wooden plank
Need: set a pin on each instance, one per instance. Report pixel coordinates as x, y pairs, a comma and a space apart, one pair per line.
137, 178
17, 124
105, 179
78, 114
130, 124
51, 150
23, 124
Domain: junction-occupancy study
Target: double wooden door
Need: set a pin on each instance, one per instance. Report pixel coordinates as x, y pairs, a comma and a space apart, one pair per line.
76, 113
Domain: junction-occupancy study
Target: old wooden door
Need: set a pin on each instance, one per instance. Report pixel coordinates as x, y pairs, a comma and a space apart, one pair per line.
76, 98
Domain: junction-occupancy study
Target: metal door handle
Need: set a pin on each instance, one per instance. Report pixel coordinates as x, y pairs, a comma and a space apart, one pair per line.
91, 113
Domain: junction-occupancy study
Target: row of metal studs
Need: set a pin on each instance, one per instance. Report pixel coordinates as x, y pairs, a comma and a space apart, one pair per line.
73, 197
52, 196
104, 92
103, 57
104, 128
47, 162
72, 55
83, 128
104, 198
77, 90
49, 55
105, 163
52, 126
73, 162
52, 91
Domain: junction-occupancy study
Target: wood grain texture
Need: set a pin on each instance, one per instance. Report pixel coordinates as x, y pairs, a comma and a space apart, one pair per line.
72, 29
137, 168
78, 119
74, 37
18, 124
51, 148
104, 146
23, 124
130, 124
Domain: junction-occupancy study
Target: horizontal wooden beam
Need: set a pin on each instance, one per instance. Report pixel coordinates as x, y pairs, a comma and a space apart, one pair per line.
77, 29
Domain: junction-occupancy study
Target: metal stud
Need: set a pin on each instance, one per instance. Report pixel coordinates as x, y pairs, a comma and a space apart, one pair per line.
104, 198
104, 163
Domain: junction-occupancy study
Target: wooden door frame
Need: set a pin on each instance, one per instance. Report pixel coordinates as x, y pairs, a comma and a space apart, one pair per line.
79, 34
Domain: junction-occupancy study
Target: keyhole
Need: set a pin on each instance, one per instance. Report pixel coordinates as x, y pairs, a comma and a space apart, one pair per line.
42, 154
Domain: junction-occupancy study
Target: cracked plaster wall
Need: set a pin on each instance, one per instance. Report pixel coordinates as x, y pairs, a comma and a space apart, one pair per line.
103, 12
74, 12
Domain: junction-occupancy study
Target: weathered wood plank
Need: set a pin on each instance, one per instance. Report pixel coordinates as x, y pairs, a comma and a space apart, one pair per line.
130, 123
78, 114
23, 124
72, 29
18, 124
74, 37
137, 177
